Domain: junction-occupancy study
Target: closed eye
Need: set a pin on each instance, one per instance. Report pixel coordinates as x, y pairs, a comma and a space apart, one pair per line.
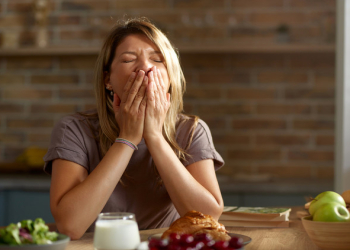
127, 61
157, 59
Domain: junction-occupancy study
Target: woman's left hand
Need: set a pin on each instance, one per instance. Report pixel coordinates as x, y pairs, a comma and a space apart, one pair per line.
158, 103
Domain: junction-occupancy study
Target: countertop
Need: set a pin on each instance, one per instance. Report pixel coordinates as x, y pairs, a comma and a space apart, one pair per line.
293, 237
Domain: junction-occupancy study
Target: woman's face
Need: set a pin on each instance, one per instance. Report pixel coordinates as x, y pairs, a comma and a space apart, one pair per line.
136, 52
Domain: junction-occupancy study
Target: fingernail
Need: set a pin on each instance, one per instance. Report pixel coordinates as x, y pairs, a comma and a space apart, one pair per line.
141, 72
151, 74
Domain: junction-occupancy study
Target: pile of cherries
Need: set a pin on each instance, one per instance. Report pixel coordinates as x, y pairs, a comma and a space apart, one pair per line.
194, 242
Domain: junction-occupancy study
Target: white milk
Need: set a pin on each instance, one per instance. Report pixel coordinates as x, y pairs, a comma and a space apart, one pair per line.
116, 234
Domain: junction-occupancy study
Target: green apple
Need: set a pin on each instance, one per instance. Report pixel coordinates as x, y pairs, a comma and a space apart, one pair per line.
324, 198
332, 212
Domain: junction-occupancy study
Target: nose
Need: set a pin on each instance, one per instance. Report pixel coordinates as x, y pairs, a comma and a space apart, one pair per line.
144, 65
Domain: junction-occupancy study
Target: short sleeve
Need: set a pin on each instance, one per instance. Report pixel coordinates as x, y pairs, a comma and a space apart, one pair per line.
201, 147
67, 143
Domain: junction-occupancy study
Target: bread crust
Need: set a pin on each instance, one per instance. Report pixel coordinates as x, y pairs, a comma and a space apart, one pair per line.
194, 222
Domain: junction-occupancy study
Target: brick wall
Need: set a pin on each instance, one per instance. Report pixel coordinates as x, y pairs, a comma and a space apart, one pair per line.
35, 93
268, 112
84, 22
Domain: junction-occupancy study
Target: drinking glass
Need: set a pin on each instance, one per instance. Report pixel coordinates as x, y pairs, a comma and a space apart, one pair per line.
117, 231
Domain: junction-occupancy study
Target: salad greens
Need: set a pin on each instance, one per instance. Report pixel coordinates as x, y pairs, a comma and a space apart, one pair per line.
27, 232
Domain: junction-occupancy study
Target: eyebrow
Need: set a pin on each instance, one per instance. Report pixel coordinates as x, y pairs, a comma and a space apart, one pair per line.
155, 52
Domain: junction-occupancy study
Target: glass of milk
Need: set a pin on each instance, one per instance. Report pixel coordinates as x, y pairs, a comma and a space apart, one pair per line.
116, 231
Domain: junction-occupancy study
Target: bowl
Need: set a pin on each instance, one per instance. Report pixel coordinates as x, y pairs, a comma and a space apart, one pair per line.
328, 235
60, 244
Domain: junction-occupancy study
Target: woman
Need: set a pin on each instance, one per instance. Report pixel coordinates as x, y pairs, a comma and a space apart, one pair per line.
137, 153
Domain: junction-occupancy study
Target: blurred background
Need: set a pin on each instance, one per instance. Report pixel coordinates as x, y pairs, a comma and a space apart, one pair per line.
261, 74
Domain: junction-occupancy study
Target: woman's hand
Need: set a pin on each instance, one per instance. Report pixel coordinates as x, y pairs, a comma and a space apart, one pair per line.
130, 109
158, 103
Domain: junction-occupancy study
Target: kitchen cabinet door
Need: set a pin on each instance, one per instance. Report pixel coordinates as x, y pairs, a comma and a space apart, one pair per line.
265, 200
2, 208
23, 205
232, 199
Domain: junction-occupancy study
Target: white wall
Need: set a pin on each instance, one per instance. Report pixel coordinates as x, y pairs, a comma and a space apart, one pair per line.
342, 143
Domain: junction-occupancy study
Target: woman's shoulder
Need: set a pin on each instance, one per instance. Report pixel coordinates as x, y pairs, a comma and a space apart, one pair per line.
185, 122
79, 119
191, 125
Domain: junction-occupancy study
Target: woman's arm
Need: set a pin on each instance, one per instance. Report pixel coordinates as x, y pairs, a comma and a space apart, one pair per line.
191, 188
194, 188
77, 198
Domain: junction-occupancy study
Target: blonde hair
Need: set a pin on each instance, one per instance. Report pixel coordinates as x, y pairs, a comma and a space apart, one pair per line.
109, 129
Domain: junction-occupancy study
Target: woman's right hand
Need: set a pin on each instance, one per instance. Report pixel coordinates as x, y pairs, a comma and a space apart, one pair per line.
130, 109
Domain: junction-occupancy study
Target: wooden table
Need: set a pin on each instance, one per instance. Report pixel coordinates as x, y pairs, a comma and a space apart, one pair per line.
292, 238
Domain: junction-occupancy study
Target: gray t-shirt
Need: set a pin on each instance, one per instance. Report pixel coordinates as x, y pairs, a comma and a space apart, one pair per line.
72, 139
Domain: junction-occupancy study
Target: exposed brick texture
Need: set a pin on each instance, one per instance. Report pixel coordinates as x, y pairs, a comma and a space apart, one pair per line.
28, 63
269, 113
285, 139
75, 21
292, 171
28, 123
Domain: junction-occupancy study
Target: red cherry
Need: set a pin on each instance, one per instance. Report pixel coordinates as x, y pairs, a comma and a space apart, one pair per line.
210, 243
221, 245
236, 242
203, 237
153, 243
163, 243
206, 248
198, 245
158, 244
174, 247
174, 239
174, 236
186, 238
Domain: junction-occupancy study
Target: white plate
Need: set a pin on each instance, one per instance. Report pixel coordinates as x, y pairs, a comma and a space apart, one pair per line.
59, 244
